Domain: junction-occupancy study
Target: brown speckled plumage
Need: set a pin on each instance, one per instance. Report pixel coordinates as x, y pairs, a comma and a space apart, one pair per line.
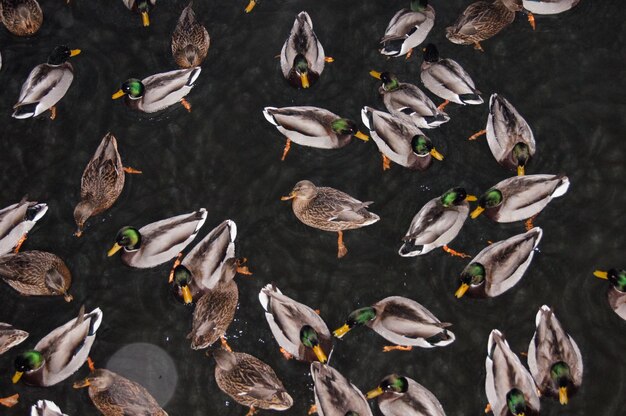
36, 273
190, 41
482, 20
10, 337
213, 314
21, 17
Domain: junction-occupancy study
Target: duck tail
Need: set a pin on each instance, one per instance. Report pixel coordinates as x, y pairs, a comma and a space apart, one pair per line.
193, 76
471, 99
562, 187
437, 120
25, 110
96, 319
268, 115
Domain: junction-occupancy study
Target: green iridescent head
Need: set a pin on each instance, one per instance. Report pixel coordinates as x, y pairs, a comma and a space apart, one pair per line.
453, 196
308, 336
28, 361
394, 383
516, 402
300, 64
521, 153
143, 5
182, 276
419, 5
134, 88
351, 413
344, 126
421, 145
560, 374
361, 316
474, 274
390, 81
490, 199
129, 238
618, 279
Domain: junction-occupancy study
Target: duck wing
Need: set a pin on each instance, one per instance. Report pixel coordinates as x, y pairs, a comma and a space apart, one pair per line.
334, 394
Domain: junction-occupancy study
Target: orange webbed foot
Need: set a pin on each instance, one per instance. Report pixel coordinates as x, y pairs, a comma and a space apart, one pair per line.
455, 253
186, 104
397, 348
10, 401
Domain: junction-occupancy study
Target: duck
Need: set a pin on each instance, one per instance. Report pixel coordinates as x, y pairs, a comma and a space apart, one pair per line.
21, 17
46, 85
142, 7
399, 140
509, 136
302, 58
329, 209
158, 242
313, 127
298, 329
210, 262
115, 395
159, 91
407, 29
402, 321
190, 41
508, 385
60, 353
482, 20
335, 395
554, 358
45, 408
520, 197
549, 6
447, 79
249, 381
407, 100
16, 221
437, 223
36, 273
499, 266
102, 182
400, 395
10, 337
617, 293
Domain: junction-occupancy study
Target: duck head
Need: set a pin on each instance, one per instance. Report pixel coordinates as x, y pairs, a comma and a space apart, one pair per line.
390, 80
302, 190
455, 196
390, 384
562, 379
345, 127
521, 153
490, 199
127, 237
27, 361
358, 317
473, 275
616, 277
516, 402
182, 279
431, 54
309, 338
422, 146
61, 54
132, 87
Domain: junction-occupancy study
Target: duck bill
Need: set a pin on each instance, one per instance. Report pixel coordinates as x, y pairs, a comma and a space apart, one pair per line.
477, 212
471, 198
81, 384
288, 197
362, 136
304, 79
340, 332
461, 290
520, 171
434, 153
563, 395
601, 275
145, 19
16, 377
375, 74
75, 52
118, 94
250, 6
374, 393
116, 247
187, 298
319, 353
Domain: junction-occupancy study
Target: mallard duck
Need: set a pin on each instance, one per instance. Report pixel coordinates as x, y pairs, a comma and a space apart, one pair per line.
159, 91
408, 28
249, 381
142, 7
21, 17
158, 242
312, 126
400, 140
330, 210
508, 385
60, 353
302, 58
437, 223
190, 41
499, 266
46, 408
520, 197
10, 337
36, 273
402, 321
549, 6
509, 136
616, 293
102, 182
210, 262
335, 395
482, 20
115, 395
407, 100
399, 395
554, 358
16, 221
298, 329
213, 314
447, 79
46, 84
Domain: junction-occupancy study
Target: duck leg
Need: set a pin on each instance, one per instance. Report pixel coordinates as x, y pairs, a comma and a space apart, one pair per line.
53, 112
531, 20
454, 252
477, 134
250, 6
329, 59
286, 354
128, 169
386, 163
397, 348
91, 365
287, 147
478, 47
241, 269
312, 409
20, 242
252, 411
170, 279
341, 248
443, 105
488, 408
225, 344
408, 54
67, 297
186, 104
10, 401
529, 223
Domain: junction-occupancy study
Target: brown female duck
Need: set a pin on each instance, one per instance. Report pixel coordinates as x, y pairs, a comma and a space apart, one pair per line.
36, 273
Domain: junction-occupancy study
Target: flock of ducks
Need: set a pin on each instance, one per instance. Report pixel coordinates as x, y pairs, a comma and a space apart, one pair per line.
204, 277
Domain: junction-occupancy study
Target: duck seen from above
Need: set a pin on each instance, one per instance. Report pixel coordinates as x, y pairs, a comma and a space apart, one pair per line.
21, 17
190, 40
407, 29
617, 291
335, 395
158, 242
46, 85
46, 408
549, 6
313, 127
142, 7
329, 209
16, 221
399, 395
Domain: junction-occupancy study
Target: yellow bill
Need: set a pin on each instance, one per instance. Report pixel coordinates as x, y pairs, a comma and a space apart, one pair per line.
362, 136
471, 198
74, 52
288, 197
304, 79
601, 275
250, 6
118, 94
145, 19
187, 298
434, 153
17, 376
319, 353
520, 171
477, 212
81, 384
461, 290
340, 332
563, 395
374, 393
375, 74
116, 247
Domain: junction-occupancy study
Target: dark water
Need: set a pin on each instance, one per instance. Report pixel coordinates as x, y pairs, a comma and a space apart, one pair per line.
566, 79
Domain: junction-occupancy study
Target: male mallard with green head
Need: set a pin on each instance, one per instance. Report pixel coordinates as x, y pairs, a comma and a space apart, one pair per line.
617, 292
399, 395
